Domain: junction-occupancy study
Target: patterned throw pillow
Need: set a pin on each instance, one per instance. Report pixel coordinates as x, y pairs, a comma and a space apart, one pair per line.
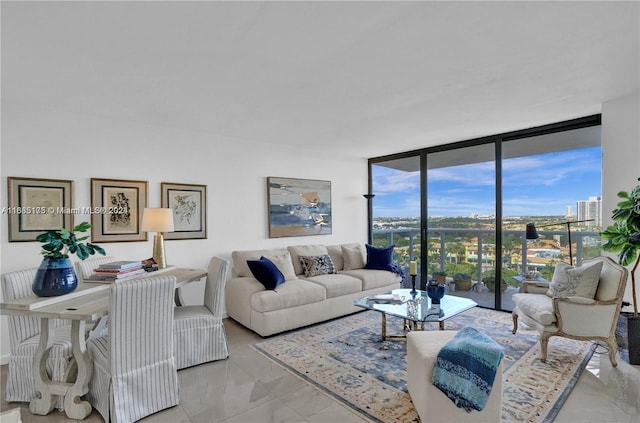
317, 265
569, 281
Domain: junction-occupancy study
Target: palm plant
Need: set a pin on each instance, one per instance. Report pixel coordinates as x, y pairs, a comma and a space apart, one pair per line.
623, 237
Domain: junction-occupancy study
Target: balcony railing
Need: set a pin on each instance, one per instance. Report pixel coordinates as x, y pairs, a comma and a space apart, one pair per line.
413, 236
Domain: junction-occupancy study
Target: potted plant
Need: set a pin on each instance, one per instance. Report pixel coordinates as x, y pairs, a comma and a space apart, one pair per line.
490, 283
440, 276
56, 276
623, 238
462, 281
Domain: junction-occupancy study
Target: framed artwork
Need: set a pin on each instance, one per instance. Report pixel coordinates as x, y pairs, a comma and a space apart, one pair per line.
117, 207
298, 207
189, 205
38, 205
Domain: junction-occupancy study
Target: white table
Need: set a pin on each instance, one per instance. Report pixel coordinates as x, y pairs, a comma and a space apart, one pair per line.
88, 303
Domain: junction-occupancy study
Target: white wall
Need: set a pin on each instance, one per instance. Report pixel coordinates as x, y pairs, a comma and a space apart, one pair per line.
49, 144
621, 156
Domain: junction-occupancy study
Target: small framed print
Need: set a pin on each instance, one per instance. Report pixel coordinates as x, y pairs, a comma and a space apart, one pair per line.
117, 207
189, 205
38, 205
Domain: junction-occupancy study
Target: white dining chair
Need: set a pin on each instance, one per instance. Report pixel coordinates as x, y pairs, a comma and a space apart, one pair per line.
24, 337
134, 371
199, 332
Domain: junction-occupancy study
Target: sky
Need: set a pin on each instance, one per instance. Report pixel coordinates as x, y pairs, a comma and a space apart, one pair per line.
538, 185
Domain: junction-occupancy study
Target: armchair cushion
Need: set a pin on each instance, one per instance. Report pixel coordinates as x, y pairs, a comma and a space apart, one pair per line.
569, 281
537, 306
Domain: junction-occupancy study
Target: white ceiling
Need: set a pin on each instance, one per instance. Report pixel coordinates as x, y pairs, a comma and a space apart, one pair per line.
361, 78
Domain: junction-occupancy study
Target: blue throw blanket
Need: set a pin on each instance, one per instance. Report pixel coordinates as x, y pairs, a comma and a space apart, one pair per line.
466, 368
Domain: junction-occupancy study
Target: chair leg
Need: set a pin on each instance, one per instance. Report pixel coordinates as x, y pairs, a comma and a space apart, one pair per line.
544, 341
514, 316
613, 349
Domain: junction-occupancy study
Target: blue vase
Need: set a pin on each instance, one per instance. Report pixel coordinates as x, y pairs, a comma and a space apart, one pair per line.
54, 277
435, 292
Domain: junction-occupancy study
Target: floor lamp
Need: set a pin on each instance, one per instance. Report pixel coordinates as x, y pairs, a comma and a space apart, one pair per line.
532, 233
158, 220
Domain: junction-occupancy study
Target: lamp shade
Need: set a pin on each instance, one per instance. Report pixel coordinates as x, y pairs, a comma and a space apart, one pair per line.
531, 232
157, 220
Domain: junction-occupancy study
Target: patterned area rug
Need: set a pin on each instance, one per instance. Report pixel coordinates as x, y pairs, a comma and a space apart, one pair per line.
347, 359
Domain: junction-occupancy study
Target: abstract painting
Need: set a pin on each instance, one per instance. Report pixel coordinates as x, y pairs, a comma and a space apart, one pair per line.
298, 207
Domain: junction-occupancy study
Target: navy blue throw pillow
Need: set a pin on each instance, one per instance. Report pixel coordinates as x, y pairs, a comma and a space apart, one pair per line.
266, 272
380, 258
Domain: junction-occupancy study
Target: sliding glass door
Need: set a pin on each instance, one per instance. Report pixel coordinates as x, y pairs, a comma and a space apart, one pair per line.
461, 219
460, 210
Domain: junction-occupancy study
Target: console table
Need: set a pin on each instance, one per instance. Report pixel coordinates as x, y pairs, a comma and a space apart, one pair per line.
88, 303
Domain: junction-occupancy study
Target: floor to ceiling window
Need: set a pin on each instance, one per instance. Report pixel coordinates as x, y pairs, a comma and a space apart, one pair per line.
461, 210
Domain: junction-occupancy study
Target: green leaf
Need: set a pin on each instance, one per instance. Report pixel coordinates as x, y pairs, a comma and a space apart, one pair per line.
65, 234
97, 248
83, 251
82, 227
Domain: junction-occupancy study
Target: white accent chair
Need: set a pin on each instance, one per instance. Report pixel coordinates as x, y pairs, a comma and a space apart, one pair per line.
577, 318
198, 329
433, 405
84, 268
134, 371
24, 337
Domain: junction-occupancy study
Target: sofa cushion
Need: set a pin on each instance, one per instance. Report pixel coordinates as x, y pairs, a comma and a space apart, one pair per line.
335, 252
280, 257
380, 258
569, 281
537, 306
373, 278
353, 256
317, 265
292, 293
305, 250
337, 285
266, 272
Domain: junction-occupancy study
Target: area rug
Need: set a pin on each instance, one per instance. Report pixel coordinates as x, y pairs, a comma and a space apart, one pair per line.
346, 359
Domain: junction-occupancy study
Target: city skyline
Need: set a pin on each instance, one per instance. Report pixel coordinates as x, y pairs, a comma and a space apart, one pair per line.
540, 185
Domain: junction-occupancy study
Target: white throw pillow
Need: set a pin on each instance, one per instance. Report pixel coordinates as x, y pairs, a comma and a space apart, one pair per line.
284, 264
353, 255
569, 281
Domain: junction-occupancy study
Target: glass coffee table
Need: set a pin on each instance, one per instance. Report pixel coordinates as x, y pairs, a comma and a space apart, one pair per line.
415, 309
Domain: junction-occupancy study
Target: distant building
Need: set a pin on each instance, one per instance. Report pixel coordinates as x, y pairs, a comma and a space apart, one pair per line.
590, 209
569, 211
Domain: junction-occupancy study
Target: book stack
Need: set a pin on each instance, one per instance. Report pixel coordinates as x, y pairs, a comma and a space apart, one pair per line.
387, 298
117, 271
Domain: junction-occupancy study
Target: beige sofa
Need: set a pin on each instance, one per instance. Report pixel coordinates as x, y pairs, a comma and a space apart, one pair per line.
300, 300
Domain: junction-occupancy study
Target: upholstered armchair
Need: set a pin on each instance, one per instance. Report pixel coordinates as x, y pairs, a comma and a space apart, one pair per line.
575, 316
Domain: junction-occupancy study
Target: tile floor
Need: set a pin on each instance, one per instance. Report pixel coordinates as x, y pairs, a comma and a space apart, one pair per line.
249, 388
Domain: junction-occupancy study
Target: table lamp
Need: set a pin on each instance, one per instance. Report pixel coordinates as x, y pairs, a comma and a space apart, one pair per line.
158, 220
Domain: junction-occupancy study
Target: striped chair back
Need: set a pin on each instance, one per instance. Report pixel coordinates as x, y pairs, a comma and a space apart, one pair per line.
217, 274
18, 285
141, 358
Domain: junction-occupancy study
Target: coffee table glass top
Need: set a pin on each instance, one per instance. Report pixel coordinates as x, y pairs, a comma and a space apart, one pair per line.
417, 307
